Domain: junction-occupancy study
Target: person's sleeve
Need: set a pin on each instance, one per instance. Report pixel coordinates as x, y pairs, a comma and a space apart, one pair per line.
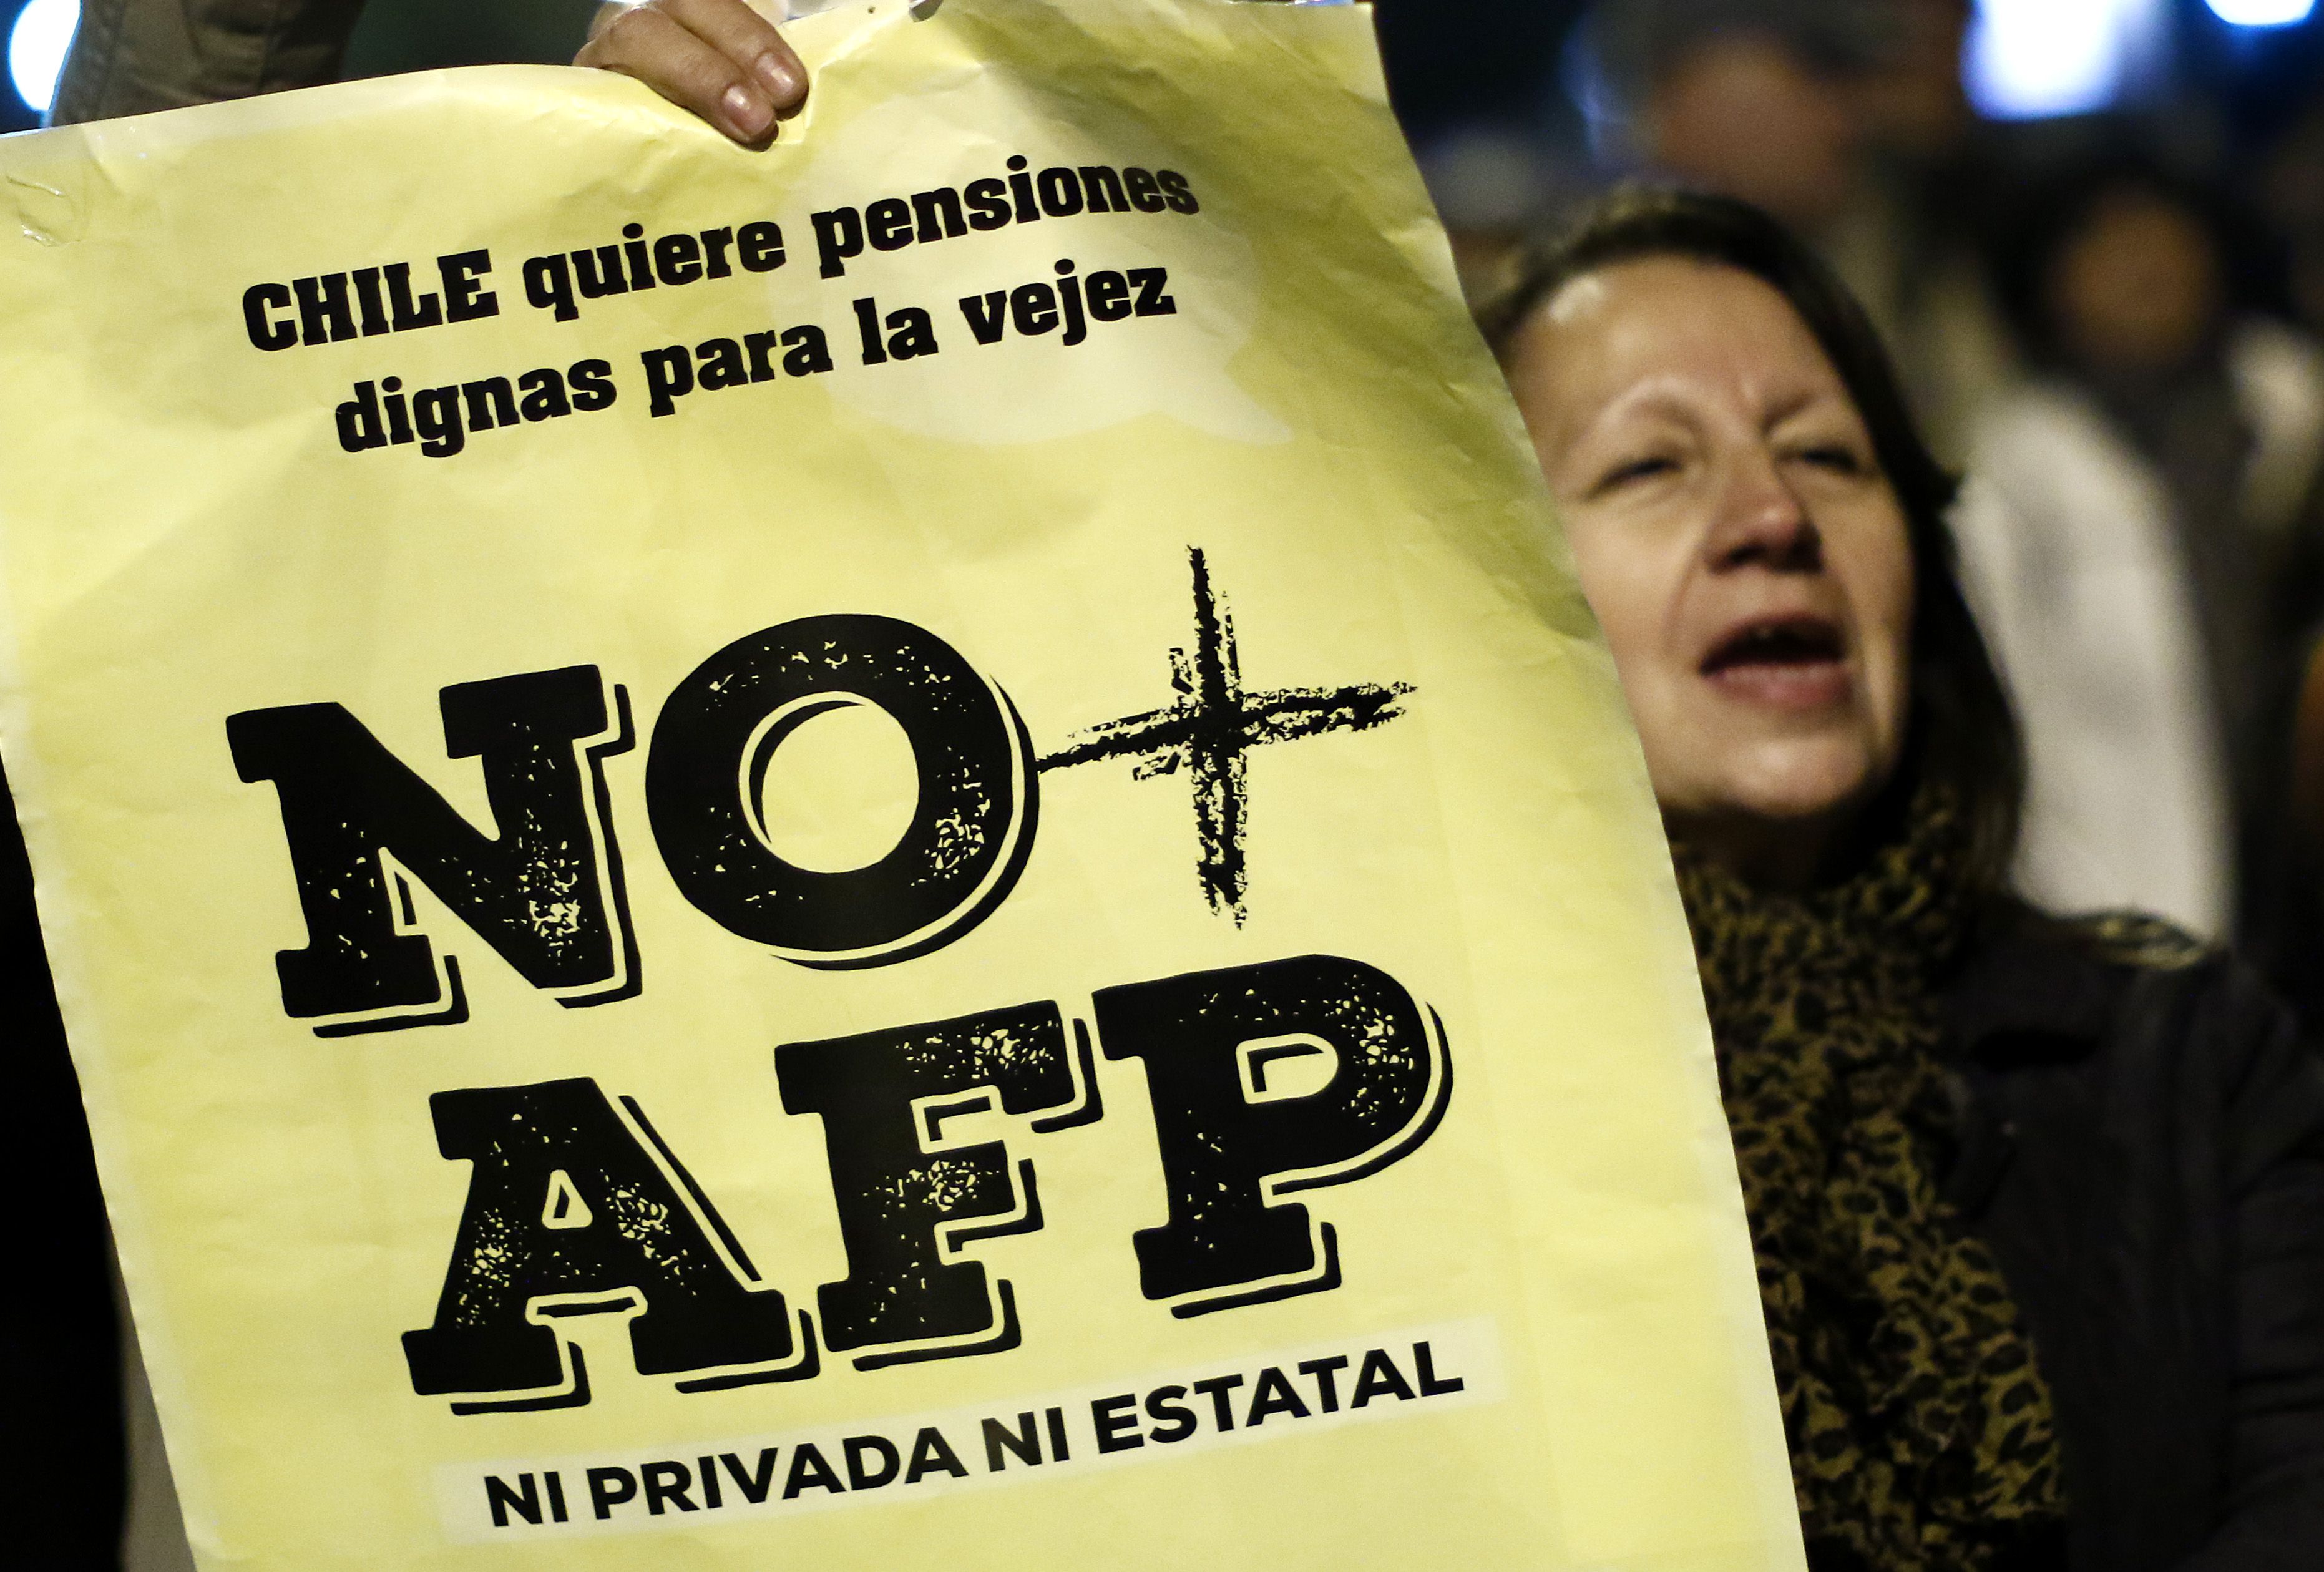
2273, 1152
131, 57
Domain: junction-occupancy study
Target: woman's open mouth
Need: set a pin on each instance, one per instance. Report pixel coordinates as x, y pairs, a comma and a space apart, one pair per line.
1797, 661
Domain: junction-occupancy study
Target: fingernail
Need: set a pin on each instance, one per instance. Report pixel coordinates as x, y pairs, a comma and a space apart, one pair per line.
745, 112
782, 79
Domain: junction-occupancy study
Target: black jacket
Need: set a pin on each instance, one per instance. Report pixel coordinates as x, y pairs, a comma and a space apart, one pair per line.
64, 1495
2144, 1149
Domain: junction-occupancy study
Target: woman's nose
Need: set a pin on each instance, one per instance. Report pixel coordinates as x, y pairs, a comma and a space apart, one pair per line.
1761, 520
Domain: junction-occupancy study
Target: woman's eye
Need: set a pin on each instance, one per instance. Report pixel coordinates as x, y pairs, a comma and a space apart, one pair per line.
1635, 469
1837, 458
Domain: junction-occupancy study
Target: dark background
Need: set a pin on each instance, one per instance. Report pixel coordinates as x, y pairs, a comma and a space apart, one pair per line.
1451, 63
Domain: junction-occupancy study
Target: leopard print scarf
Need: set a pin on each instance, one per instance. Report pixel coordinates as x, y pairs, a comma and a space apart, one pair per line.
1921, 1432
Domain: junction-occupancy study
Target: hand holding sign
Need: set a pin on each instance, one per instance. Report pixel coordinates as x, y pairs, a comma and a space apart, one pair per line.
718, 58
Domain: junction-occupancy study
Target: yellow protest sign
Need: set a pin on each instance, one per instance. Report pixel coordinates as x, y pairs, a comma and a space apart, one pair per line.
911, 846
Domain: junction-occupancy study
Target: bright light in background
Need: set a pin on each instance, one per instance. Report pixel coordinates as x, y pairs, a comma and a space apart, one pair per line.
36, 49
2029, 59
2263, 12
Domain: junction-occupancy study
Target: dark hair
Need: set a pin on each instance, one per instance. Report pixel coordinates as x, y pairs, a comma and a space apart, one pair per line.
1963, 732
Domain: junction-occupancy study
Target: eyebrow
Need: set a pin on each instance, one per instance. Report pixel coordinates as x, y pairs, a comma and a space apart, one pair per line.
1799, 403
1651, 401
1660, 402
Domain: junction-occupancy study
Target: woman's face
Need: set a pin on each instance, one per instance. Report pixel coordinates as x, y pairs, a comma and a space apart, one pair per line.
1739, 544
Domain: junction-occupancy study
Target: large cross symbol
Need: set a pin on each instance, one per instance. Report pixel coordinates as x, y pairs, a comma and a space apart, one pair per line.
1209, 730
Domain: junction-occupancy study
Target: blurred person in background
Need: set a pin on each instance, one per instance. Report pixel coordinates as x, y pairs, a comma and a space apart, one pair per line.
133, 56
1847, 120
2291, 195
1938, 173
2299, 968
2038, 1206
2287, 902
2138, 540
2308, 759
